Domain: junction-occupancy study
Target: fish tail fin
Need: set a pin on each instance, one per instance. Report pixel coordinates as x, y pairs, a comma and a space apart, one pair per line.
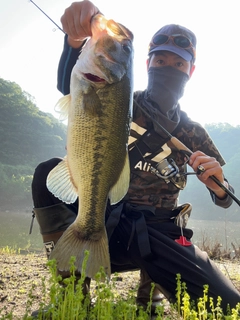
72, 245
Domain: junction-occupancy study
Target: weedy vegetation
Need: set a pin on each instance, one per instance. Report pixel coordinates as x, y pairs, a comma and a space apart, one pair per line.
63, 299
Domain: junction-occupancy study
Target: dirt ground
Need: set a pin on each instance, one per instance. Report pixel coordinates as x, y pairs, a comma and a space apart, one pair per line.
18, 273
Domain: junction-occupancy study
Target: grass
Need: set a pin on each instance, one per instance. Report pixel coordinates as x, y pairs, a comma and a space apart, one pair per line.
9, 250
67, 301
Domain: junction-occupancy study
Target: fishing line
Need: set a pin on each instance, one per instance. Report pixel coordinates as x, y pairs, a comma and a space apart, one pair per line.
47, 16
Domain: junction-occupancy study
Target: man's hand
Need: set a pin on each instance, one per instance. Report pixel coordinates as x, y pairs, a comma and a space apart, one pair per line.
76, 22
211, 167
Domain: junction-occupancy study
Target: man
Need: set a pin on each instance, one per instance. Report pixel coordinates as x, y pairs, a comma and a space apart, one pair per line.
150, 233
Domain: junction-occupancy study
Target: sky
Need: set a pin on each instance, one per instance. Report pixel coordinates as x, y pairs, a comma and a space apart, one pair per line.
31, 45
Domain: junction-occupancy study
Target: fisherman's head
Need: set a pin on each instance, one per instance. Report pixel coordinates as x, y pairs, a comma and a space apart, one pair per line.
172, 54
173, 45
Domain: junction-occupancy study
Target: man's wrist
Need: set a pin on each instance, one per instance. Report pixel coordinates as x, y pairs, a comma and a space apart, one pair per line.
221, 194
226, 201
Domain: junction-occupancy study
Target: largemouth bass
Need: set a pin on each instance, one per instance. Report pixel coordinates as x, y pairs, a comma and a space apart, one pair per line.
96, 167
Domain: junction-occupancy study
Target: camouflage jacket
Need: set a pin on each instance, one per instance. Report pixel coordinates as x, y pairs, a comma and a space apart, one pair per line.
145, 187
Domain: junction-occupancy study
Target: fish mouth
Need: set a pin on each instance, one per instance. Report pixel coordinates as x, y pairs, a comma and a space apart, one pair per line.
93, 77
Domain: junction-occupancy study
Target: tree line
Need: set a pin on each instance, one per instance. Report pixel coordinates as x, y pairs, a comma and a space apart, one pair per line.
29, 136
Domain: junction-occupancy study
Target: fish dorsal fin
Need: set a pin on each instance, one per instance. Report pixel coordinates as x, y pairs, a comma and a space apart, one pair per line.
62, 107
119, 190
59, 183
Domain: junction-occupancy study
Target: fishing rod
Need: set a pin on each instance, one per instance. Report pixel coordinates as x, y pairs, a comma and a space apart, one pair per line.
47, 16
181, 147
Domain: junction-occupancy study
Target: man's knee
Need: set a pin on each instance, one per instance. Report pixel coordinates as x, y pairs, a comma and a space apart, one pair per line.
40, 193
43, 169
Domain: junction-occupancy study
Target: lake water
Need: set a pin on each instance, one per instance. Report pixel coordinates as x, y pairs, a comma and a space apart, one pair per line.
223, 232
14, 232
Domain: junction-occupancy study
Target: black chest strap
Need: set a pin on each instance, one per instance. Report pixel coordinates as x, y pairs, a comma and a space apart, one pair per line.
150, 142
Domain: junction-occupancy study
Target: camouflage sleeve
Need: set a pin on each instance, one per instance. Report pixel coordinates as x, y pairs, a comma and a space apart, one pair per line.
223, 203
195, 137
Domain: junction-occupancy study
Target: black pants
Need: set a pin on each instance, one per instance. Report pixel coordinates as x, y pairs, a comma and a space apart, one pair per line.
167, 258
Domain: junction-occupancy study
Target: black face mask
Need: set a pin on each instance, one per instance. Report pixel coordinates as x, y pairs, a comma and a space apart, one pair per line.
165, 88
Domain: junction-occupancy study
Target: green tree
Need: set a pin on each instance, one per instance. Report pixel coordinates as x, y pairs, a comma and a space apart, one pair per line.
28, 136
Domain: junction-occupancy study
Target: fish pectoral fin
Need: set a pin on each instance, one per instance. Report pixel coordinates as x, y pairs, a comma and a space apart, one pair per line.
70, 245
62, 107
119, 190
59, 183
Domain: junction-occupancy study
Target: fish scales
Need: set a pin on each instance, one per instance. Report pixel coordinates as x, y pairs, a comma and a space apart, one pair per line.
97, 164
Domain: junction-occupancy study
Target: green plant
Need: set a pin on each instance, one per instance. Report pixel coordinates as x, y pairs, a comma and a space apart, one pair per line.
63, 299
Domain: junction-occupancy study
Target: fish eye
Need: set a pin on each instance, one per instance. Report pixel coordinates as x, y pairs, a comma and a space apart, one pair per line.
127, 47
